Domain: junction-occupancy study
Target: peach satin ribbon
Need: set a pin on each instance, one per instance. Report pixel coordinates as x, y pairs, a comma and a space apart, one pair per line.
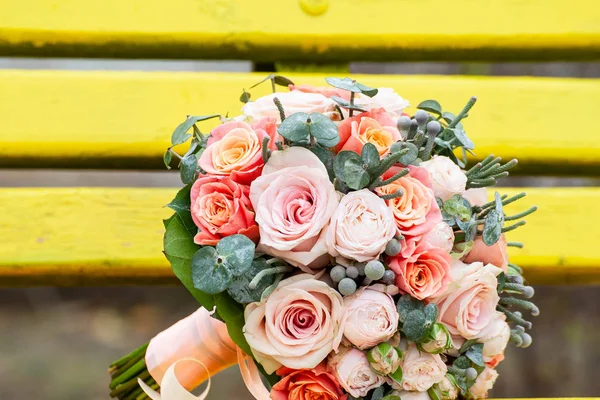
204, 344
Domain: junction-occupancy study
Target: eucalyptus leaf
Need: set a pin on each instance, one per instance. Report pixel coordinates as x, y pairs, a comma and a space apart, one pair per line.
415, 326
344, 83
462, 362
370, 156
245, 97
210, 273
239, 289
188, 168
355, 175
463, 139
180, 133
295, 128
448, 116
411, 155
367, 90
492, 228
346, 104
498, 203
406, 304
236, 252
326, 158
323, 129
340, 160
475, 354
167, 158
431, 106
282, 81
377, 393
431, 313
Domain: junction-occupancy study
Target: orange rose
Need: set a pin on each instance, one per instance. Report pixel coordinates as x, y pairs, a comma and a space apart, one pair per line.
307, 384
375, 127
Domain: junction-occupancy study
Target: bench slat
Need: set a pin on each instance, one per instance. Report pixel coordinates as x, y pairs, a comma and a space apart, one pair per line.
82, 236
263, 30
124, 119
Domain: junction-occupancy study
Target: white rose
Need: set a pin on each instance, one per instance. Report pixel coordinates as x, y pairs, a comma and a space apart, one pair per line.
385, 98
495, 337
360, 227
352, 370
292, 102
485, 381
441, 236
421, 370
446, 177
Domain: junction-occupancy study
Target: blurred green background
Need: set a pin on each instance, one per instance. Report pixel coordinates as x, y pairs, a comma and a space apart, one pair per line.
56, 343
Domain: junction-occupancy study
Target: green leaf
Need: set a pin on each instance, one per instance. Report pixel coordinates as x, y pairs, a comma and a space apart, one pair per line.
406, 304
239, 289
181, 205
340, 160
492, 228
180, 133
355, 175
282, 81
232, 314
475, 354
431, 106
462, 138
411, 155
415, 325
167, 158
295, 128
377, 393
245, 97
448, 116
236, 253
210, 273
466, 345
391, 396
188, 168
179, 248
326, 158
397, 376
367, 90
324, 130
498, 204
431, 313
462, 362
370, 156
344, 83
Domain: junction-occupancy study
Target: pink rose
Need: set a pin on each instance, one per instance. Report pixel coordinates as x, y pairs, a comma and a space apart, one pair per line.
292, 102
470, 302
234, 149
220, 207
441, 236
415, 212
424, 274
298, 325
294, 201
495, 337
307, 384
326, 91
421, 370
496, 254
447, 177
375, 127
485, 381
361, 227
371, 317
385, 98
353, 371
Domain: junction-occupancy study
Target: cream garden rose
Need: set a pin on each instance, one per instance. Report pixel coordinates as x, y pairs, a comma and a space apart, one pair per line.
485, 381
421, 370
371, 317
361, 227
495, 337
294, 201
298, 325
469, 304
385, 98
292, 102
353, 371
446, 176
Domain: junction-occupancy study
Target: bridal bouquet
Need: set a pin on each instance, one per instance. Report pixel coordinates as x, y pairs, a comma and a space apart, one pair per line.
339, 248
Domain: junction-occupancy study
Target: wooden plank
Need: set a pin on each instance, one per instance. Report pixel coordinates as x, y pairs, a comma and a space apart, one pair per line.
265, 30
91, 236
125, 119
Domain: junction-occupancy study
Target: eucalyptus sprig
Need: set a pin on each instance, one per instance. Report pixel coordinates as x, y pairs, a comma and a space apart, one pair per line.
353, 87
515, 298
488, 171
492, 216
276, 80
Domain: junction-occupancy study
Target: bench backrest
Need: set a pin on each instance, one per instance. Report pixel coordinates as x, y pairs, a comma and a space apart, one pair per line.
101, 119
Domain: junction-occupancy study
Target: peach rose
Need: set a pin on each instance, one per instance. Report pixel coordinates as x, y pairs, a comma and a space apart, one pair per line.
234, 149
326, 91
371, 317
415, 212
441, 236
375, 127
446, 176
496, 254
495, 337
220, 207
425, 273
307, 384
360, 227
298, 325
353, 371
469, 304
294, 201
385, 98
292, 102
485, 381
421, 370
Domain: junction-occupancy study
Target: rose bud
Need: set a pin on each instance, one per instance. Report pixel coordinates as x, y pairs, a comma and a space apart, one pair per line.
384, 358
446, 389
439, 340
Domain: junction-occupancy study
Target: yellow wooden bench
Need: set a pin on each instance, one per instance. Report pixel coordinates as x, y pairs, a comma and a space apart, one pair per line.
123, 120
